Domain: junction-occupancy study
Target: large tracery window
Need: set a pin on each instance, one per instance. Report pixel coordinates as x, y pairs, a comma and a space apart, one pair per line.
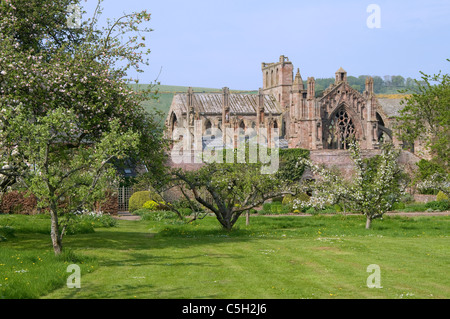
341, 130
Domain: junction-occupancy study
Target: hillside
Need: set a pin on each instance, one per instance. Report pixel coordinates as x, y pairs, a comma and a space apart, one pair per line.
165, 95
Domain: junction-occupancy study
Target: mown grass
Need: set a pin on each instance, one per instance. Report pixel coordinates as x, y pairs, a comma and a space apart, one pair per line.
30, 273
273, 257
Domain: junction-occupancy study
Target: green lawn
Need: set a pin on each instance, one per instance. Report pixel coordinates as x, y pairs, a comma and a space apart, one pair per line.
273, 257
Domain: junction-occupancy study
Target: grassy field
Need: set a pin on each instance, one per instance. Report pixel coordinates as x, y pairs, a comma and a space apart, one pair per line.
273, 257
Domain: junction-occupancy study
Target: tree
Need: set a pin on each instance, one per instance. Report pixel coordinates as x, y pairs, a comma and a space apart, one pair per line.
378, 84
230, 189
426, 116
371, 191
67, 107
64, 179
398, 81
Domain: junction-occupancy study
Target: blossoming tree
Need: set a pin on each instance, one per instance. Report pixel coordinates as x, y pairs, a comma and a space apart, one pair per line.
66, 107
372, 190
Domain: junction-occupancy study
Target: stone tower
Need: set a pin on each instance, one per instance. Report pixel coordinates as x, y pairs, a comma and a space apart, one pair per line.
277, 80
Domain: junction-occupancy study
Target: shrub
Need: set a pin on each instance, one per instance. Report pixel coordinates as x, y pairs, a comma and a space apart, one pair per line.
16, 202
84, 222
288, 199
80, 227
266, 207
151, 205
99, 219
138, 199
109, 204
157, 215
277, 199
407, 198
398, 206
185, 211
275, 208
183, 205
438, 205
441, 197
415, 207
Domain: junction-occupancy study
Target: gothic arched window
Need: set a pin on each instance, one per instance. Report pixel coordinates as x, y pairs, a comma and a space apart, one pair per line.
341, 130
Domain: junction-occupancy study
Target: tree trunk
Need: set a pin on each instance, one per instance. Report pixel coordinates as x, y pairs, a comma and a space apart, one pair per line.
247, 218
368, 222
55, 233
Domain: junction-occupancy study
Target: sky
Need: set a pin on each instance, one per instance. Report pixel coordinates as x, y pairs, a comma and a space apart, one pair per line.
221, 43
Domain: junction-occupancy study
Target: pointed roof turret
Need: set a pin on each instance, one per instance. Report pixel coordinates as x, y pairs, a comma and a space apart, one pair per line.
298, 82
341, 75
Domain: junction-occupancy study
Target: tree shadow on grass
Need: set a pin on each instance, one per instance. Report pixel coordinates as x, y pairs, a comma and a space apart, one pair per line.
136, 259
126, 240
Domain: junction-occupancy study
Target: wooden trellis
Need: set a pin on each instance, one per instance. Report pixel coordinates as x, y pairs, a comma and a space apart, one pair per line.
124, 197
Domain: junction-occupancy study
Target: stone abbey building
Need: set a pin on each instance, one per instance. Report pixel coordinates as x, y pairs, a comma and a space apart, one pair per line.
287, 102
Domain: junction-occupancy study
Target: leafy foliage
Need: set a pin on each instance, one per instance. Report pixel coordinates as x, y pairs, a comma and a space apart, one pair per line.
426, 115
230, 189
139, 199
372, 191
441, 196
67, 109
290, 169
438, 205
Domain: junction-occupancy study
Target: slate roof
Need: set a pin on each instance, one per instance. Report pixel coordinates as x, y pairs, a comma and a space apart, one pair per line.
390, 106
211, 103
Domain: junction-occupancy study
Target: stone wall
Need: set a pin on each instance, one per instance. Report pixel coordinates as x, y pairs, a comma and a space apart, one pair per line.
342, 160
424, 198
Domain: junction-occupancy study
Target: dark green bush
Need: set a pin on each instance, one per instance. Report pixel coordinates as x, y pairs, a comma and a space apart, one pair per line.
266, 207
398, 206
80, 227
438, 205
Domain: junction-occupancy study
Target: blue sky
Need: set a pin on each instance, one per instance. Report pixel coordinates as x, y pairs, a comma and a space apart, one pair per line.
220, 43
